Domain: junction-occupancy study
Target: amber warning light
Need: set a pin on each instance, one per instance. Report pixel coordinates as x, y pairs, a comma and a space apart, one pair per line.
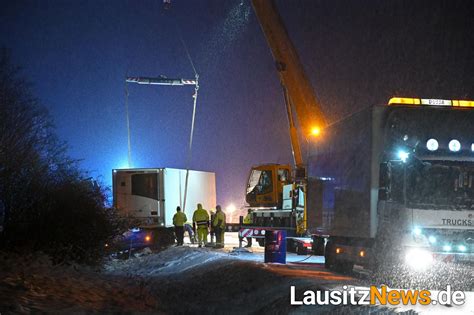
429, 102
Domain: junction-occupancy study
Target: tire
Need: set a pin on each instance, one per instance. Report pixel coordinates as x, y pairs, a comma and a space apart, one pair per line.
318, 246
261, 242
290, 246
329, 256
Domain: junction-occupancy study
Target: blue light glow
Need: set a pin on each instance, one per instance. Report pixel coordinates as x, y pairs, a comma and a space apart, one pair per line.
402, 155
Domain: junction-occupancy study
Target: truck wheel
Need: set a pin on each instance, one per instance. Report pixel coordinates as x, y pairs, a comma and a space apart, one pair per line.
290, 245
329, 256
318, 246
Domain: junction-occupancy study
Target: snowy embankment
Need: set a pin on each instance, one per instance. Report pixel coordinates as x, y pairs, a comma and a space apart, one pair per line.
177, 280
31, 284
174, 260
189, 279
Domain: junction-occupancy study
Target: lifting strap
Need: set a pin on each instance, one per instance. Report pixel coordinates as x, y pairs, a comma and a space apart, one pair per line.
195, 96
128, 126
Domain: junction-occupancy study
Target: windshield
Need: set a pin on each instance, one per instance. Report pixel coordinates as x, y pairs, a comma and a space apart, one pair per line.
253, 180
260, 181
440, 184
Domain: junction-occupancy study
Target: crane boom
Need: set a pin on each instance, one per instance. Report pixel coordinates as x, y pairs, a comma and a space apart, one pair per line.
298, 91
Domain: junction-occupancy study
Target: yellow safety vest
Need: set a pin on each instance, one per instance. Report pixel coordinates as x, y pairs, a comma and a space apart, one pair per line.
219, 220
201, 217
179, 219
248, 219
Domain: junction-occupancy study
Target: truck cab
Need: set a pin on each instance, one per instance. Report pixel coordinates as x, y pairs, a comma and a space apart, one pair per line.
403, 186
265, 185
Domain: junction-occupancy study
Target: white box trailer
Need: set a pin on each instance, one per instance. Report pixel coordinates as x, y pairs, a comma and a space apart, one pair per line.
151, 195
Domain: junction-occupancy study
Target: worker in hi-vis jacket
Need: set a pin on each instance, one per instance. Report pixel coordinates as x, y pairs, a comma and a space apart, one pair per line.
201, 219
248, 220
179, 219
218, 223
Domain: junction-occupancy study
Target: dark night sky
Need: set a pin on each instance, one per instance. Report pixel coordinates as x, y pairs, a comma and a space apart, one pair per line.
356, 53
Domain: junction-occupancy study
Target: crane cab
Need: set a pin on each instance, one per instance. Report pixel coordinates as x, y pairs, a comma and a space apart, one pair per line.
265, 185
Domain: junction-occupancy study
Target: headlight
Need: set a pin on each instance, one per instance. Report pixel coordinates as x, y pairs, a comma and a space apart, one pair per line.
447, 248
432, 239
417, 231
418, 258
462, 248
454, 145
432, 144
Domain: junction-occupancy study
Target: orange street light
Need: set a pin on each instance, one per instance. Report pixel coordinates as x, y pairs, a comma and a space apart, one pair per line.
315, 131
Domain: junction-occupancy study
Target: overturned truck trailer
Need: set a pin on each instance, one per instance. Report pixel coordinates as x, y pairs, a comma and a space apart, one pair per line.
149, 197
398, 184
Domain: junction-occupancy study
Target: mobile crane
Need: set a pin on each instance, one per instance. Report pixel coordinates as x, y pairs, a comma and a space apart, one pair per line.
275, 193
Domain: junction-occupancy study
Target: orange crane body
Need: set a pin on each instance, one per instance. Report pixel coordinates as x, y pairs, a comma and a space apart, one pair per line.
299, 99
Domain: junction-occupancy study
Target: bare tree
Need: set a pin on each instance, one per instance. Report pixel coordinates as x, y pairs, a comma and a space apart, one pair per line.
48, 202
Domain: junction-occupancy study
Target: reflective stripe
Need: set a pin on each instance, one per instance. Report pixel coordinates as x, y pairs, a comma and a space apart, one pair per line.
246, 232
202, 222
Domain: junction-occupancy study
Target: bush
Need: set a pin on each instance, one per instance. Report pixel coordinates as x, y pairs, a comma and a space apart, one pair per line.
75, 225
48, 203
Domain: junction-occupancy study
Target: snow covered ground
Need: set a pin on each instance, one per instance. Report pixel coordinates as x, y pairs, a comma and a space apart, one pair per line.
180, 280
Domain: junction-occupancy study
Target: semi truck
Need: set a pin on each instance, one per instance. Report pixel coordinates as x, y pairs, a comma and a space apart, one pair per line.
399, 184
148, 197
